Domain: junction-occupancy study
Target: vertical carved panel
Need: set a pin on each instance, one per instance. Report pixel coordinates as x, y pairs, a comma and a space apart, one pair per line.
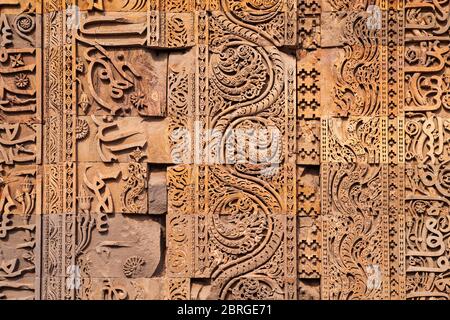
396, 147
108, 90
308, 150
20, 148
52, 230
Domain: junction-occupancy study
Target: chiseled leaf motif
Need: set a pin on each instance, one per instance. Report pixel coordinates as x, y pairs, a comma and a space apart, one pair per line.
302, 147
427, 89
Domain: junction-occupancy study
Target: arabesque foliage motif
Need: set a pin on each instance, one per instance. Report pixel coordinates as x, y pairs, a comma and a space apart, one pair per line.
224, 149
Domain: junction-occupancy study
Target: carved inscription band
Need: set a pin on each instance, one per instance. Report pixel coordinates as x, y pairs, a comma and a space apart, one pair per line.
224, 149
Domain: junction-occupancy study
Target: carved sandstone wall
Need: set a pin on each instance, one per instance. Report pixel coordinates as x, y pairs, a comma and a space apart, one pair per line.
224, 149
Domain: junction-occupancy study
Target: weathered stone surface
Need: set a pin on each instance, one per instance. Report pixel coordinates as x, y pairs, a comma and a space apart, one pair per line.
124, 289
134, 86
157, 191
181, 149
129, 248
107, 139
